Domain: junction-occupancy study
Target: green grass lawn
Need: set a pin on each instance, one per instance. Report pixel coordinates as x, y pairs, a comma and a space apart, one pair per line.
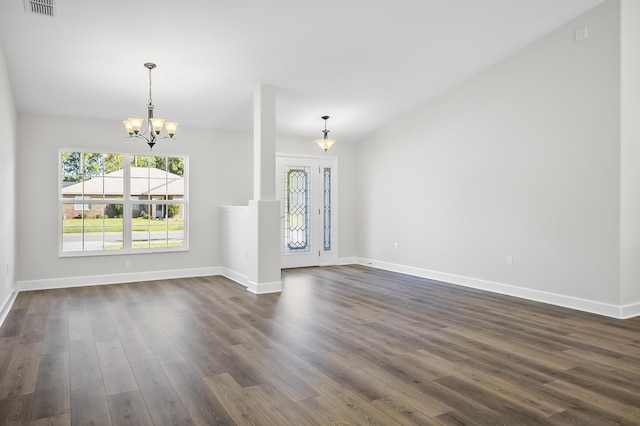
115, 225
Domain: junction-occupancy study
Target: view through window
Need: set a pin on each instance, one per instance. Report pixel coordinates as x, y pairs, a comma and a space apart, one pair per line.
113, 203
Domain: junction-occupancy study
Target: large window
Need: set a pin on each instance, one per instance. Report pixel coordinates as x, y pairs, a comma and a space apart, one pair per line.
112, 203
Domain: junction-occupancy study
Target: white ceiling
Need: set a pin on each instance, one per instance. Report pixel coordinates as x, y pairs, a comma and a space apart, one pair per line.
363, 62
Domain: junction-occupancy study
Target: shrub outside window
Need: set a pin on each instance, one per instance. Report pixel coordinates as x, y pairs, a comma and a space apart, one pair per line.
113, 203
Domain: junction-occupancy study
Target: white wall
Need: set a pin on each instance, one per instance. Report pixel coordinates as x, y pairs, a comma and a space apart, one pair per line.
220, 173
630, 153
8, 140
234, 243
521, 160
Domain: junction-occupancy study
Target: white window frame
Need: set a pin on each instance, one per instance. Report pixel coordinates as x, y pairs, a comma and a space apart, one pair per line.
127, 201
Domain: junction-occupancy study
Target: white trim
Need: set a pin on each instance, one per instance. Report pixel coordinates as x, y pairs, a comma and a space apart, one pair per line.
234, 276
115, 278
347, 261
309, 156
264, 288
630, 311
591, 306
8, 304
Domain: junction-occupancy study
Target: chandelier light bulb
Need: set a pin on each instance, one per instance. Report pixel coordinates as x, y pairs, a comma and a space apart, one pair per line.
157, 124
171, 127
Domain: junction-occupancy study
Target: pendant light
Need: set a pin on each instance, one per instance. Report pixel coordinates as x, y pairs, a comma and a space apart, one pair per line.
325, 143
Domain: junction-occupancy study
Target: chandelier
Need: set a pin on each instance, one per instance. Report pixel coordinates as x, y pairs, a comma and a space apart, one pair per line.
325, 143
153, 126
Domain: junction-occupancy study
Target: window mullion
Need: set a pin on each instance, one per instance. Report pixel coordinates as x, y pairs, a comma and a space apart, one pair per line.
127, 205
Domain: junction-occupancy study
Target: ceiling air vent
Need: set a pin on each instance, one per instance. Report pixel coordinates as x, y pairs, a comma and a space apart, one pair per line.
40, 7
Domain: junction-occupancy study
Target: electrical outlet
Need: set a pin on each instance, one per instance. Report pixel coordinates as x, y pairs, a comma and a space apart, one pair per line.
509, 260
581, 34
395, 245
127, 264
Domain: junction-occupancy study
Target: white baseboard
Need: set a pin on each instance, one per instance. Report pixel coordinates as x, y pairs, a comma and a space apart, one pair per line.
253, 287
630, 311
609, 310
8, 303
114, 278
264, 288
347, 261
235, 276
585, 305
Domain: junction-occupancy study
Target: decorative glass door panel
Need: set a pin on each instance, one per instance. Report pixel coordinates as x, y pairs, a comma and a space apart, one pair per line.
297, 209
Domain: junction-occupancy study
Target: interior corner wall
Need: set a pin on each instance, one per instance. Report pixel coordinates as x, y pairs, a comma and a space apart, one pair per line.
630, 153
220, 174
8, 142
520, 162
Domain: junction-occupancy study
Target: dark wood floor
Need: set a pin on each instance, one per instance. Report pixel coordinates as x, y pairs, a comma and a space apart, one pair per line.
341, 345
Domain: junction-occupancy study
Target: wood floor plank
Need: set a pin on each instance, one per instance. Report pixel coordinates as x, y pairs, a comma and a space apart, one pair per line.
201, 359
162, 401
128, 409
52, 386
398, 392
262, 346
115, 368
342, 398
580, 416
7, 348
333, 412
34, 328
244, 370
133, 342
346, 377
275, 373
101, 325
23, 300
13, 323
56, 336
198, 399
58, 307
60, 420
406, 412
39, 303
89, 407
84, 366
17, 410
600, 400
281, 408
243, 409
22, 372
159, 343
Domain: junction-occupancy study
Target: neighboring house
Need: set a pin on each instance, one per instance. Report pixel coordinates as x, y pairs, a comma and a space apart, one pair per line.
146, 184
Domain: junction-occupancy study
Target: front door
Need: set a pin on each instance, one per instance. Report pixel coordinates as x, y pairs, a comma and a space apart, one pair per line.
306, 188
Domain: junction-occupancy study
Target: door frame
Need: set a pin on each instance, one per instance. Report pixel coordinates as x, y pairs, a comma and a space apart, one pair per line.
324, 258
